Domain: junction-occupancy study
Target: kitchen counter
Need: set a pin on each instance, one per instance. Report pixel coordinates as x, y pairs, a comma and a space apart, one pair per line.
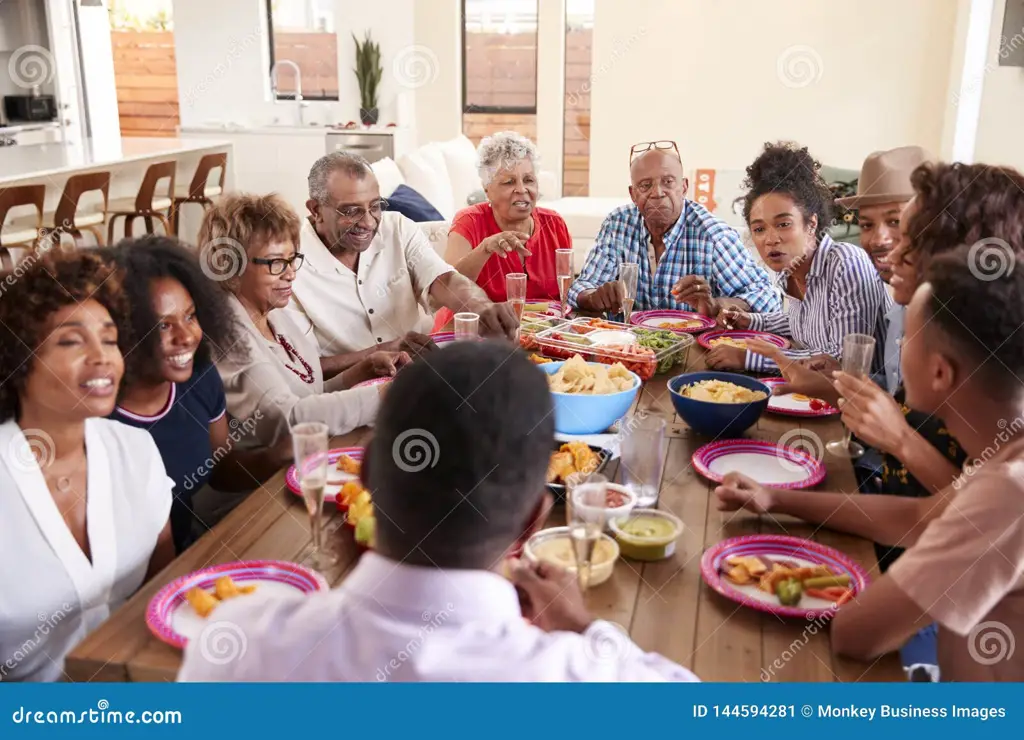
285, 130
19, 127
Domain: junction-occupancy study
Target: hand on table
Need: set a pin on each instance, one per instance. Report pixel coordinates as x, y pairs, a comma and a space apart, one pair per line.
726, 357
386, 364
797, 376
731, 317
498, 320
412, 344
696, 291
550, 597
737, 491
872, 414
607, 297
505, 243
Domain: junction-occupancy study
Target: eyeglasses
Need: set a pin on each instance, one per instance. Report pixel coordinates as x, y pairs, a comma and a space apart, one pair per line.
278, 265
645, 146
355, 214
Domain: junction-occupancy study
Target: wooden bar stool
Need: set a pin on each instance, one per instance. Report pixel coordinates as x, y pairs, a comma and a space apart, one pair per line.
200, 190
21, 234
68, 220
147, 205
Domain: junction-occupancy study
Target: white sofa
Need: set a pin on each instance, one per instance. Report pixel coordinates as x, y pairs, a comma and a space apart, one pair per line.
445, 173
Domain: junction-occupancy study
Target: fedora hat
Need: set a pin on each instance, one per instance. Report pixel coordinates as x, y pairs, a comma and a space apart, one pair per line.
885, 177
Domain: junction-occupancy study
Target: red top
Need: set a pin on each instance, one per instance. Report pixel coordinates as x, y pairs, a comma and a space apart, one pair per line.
476, 223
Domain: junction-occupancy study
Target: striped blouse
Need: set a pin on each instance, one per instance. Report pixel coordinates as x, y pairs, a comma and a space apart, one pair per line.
845, 295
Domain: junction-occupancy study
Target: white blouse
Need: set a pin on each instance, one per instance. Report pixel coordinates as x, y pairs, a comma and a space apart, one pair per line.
268, 389
51, 594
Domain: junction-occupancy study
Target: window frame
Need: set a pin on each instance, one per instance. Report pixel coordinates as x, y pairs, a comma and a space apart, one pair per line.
273, 61
508, 109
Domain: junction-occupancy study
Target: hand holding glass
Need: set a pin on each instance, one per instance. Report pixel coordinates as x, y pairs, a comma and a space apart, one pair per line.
858, 352
310, 444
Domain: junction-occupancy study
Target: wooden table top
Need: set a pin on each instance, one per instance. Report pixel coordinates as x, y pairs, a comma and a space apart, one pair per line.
664, 605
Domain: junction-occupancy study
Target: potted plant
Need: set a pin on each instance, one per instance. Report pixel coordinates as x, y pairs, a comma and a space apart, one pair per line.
368, 73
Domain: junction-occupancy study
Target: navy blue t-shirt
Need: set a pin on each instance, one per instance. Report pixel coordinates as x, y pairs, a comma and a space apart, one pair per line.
181, 431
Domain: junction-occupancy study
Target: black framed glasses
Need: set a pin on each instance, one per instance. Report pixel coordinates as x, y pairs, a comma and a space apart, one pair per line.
355, 214
645, 146
278, 265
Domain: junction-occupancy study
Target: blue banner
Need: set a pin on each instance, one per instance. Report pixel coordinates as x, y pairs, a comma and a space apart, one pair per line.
484, 712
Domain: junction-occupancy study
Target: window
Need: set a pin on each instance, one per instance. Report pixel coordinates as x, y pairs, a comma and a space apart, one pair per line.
499, 60
302, 32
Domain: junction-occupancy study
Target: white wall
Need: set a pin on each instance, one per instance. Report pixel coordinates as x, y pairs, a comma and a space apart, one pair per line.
1001, 123
434, 69
723, 77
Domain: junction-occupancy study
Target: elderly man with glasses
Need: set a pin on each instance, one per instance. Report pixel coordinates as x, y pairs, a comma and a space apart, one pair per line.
688, 258
371, 277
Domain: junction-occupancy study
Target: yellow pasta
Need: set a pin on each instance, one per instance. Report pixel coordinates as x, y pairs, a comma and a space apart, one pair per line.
576, 376
720, 391
729, 342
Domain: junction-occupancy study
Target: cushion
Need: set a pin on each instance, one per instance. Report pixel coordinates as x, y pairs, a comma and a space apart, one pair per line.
412, 205
477, 196
426, 173
389, 177
460, 159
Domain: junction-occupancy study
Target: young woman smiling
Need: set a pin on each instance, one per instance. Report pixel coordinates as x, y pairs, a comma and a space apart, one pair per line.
179, 317
84, 501
832, 288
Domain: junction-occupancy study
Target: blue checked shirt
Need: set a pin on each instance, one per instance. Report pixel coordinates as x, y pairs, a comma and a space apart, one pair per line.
697, 244
845, 295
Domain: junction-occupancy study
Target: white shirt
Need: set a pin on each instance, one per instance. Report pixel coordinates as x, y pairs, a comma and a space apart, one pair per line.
394, 622
266, 391
384, 299
51, 594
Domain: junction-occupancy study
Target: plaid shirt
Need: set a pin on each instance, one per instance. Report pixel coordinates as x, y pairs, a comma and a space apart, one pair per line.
697, 244
845, 295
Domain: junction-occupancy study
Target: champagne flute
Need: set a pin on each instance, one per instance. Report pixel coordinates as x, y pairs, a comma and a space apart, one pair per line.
629, 272
586, 515
858, 352
310, 444
563, 273
515, 290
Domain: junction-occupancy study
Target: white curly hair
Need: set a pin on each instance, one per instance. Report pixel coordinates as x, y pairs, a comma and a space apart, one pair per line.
503, 150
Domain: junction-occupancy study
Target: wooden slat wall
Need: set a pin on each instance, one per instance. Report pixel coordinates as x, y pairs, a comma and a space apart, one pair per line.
147, 82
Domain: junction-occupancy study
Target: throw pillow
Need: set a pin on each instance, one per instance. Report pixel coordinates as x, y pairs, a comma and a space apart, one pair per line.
412, 205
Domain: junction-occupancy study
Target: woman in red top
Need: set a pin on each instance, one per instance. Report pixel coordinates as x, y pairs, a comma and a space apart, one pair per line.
508, 233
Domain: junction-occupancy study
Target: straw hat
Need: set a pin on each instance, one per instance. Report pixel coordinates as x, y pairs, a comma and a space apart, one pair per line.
885, 177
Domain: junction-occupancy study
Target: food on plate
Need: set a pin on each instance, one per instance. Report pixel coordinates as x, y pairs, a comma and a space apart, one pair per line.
789, 591
827, 581
573, 338
348, 465
539, 359
681, 325
729, 342
585, 325
615, 499
576, 376
224, 588
657, 340
786, 581
555, 546
611, 337
361, 516
533, 325
647, 534
541, 307
801, 397
721, 391
572, 457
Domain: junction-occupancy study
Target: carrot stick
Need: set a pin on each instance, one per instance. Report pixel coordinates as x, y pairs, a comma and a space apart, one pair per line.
845, 597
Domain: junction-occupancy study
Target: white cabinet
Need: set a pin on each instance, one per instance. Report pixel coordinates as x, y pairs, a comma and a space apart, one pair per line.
42, 135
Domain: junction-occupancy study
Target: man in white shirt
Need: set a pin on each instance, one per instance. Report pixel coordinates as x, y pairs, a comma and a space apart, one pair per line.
371, 278
457, 467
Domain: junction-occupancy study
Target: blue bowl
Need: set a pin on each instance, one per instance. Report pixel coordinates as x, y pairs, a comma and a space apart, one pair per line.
718, 419
582, 413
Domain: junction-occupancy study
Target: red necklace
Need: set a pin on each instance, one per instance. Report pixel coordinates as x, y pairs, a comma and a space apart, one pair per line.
306, 377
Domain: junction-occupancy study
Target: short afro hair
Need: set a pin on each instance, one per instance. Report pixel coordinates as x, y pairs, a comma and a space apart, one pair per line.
789, 169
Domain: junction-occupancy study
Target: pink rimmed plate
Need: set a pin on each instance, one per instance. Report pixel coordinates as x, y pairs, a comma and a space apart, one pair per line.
794, 404
443, 337
335, 478
705, 339
173, 620
802, 553
662, 319
373, 381
767, 463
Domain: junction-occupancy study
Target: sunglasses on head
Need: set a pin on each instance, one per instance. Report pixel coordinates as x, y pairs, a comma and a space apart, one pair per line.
645, 146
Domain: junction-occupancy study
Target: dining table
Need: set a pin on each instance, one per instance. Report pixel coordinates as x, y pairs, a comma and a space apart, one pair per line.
664, 606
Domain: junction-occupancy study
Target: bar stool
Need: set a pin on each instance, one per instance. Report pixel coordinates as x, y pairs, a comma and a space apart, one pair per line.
67, 219
21, 234
146, 204
200, 190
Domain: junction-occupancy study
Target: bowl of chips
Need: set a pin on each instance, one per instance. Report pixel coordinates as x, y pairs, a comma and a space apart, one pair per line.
589, 396
719, 404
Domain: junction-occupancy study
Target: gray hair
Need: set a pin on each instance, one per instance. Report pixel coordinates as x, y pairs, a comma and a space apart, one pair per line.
352, 165
503, 150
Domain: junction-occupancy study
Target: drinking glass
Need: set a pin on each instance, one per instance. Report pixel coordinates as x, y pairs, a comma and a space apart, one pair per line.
515, 290
467, 326
858, 352
629, 272
586, 514
563, 272
643, 457
310, 444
